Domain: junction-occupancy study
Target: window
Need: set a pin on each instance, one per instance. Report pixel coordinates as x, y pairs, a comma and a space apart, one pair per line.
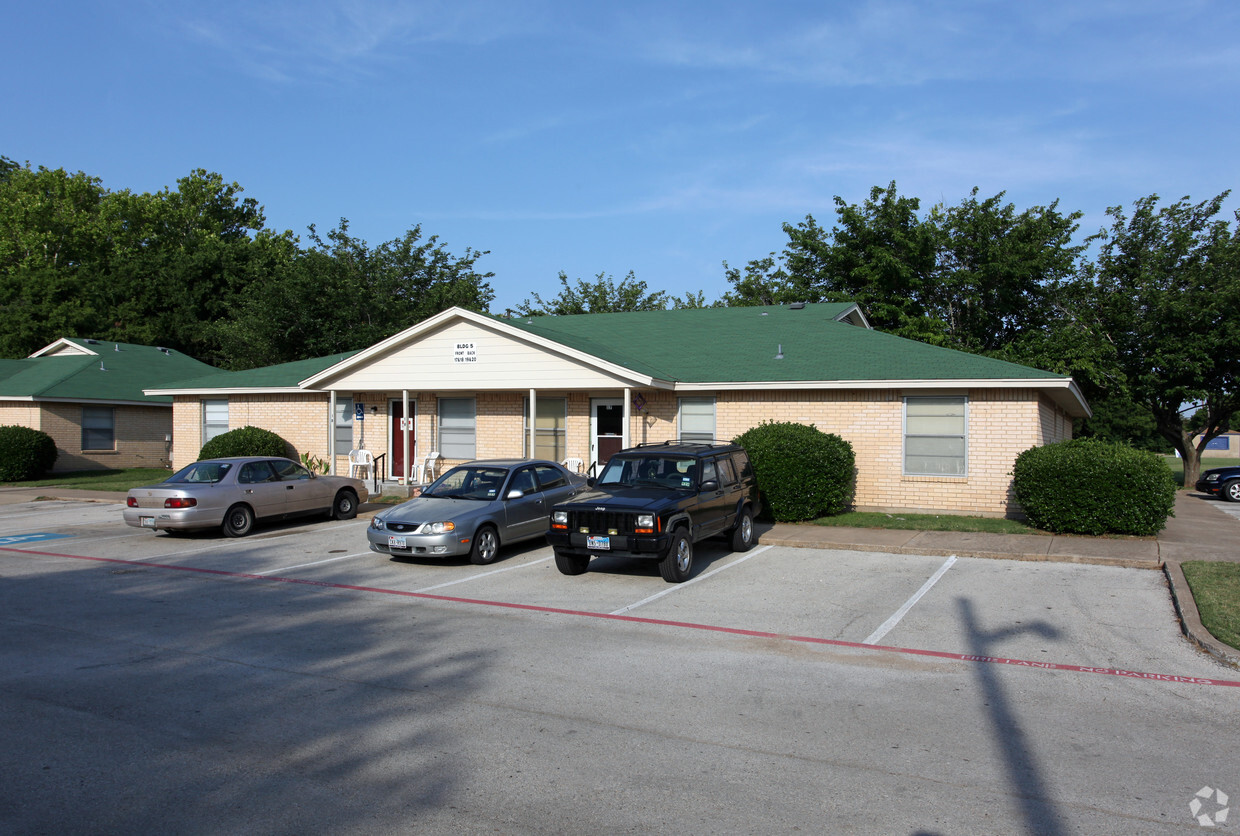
214, 419
550, 436
344, 425
697, 419
549, 477
98, 428
457, 424
935, 436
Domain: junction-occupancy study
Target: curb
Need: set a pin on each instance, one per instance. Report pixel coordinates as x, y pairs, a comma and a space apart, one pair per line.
1190, 618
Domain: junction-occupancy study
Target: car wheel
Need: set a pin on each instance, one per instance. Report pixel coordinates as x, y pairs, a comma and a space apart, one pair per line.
571, 564
676, 564
344, 507
486, 546
238, 521
1231, 491
742, 535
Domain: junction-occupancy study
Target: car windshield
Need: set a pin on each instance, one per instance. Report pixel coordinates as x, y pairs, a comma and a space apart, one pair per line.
466, 482
650, 471
200, 472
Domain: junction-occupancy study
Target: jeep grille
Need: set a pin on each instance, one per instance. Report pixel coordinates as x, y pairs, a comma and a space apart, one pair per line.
600, 522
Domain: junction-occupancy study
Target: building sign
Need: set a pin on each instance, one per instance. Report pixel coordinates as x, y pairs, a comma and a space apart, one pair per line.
465, 353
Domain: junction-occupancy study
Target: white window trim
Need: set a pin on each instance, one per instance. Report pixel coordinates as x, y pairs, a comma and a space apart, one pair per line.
205, 402
904, 437
680, 411
439, 427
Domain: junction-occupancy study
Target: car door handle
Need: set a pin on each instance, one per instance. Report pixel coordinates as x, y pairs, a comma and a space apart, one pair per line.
289, 487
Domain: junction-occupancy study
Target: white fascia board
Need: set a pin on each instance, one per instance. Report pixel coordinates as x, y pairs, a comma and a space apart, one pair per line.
855, 309
1065, 387
64, 342
240, 390
380, 348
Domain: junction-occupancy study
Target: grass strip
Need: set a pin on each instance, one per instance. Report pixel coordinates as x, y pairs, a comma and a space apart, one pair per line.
1216, 589
928, 522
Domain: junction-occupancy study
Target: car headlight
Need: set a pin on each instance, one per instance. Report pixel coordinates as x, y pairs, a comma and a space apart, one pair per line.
559, 517
1211, 477
378, 524
645, 520
439, 527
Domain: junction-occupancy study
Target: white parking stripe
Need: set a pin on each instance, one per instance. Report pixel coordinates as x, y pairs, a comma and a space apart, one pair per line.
885, 627
700, 577
483, 575
315, 563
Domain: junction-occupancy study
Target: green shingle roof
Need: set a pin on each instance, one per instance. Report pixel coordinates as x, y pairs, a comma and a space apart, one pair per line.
115, 372
281, 376
739, 345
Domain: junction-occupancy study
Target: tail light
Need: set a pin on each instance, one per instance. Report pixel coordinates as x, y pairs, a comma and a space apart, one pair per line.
131, 502
180, 502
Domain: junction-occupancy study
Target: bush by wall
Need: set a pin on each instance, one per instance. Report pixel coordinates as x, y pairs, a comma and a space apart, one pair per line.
25, 453
802, 472
244, 441
1086, 486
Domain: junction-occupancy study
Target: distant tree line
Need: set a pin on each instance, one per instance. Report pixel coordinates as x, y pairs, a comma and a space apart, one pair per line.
1144, 314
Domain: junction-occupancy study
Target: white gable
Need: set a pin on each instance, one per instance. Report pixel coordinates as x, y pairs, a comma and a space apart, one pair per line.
466, 355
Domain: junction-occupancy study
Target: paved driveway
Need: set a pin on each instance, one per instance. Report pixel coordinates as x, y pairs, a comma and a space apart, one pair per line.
294, 681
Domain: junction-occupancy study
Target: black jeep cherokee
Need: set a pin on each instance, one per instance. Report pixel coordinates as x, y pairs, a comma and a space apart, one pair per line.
653, 502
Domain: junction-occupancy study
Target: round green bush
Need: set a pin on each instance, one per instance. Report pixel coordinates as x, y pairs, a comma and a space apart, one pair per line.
1087, 486
244, 441
802, 472
25, 453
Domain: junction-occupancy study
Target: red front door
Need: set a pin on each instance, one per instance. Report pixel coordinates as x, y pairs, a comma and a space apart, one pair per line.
396, 409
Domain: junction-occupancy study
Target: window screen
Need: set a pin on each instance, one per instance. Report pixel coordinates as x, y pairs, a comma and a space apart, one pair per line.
935, 436
457, 428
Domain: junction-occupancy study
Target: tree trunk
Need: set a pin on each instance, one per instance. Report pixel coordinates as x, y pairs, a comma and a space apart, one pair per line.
1192, 458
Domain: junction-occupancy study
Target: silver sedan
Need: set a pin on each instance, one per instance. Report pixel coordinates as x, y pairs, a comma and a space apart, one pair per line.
234, 492
475, 508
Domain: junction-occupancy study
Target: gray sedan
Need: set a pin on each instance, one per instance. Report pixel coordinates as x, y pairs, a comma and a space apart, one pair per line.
474, 509
233, 492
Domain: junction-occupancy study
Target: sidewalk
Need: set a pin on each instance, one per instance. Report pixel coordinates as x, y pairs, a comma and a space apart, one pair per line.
1198, 531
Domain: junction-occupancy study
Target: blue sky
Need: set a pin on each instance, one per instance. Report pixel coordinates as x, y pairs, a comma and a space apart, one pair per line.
658, 137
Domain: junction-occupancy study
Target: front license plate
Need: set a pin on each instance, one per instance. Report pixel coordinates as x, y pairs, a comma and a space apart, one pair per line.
397, 543
148, 522
594, 541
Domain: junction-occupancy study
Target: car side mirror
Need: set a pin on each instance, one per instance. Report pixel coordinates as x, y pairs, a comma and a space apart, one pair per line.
709, 485
515, 493
590, 482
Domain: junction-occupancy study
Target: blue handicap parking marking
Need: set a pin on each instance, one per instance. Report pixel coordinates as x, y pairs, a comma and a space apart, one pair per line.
30, 538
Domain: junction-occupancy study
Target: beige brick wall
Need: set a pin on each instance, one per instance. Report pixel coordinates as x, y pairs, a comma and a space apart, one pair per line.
138, 434
300, 419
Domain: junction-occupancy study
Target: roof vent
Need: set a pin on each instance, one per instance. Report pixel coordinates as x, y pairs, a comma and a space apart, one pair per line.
102, 368
796, 306
117, 347
165, 350
92, 342
780, 353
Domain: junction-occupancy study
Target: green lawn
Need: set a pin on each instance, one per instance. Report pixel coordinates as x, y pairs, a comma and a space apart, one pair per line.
100, 480
928, 522
1216, 589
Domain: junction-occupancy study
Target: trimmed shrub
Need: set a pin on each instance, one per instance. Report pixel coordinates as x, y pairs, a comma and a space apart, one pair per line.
244, 441
25, 453
1087, 486
802, 472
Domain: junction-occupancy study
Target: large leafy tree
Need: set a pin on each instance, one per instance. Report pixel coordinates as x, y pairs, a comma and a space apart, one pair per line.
1163, 299
341, 294
602, 295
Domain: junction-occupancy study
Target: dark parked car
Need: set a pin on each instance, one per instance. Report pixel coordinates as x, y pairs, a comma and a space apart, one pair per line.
475, 508
234, 492
653, 502
1222, 482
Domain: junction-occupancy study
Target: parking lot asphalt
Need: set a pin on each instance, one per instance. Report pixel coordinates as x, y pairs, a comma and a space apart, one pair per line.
293, 674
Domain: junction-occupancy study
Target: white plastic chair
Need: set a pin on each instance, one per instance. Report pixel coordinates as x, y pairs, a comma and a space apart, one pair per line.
426, 470
573, 464
361, 463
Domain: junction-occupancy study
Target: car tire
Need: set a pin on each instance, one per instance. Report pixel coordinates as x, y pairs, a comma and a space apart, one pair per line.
571, 564
238, 521
678, 562
742, 535
344, 506
1231, 491
485, 549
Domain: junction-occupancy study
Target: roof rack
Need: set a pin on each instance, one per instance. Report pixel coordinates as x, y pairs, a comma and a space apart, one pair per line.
714, 442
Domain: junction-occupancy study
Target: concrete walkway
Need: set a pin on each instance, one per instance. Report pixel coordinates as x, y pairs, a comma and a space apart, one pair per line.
1200, 530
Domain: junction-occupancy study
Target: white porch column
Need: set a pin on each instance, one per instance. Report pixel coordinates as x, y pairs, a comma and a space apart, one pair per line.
533, 422
628, 400
331, 432
406, 424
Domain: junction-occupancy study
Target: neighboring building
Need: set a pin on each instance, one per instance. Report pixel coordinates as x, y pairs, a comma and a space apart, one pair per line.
933, 429
1226, 445
88, 396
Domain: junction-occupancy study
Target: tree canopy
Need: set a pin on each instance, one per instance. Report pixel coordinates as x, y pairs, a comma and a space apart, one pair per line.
603, 295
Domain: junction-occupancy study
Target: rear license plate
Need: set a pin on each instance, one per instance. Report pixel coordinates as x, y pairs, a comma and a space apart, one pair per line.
148, 522
397, 543
594, 541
